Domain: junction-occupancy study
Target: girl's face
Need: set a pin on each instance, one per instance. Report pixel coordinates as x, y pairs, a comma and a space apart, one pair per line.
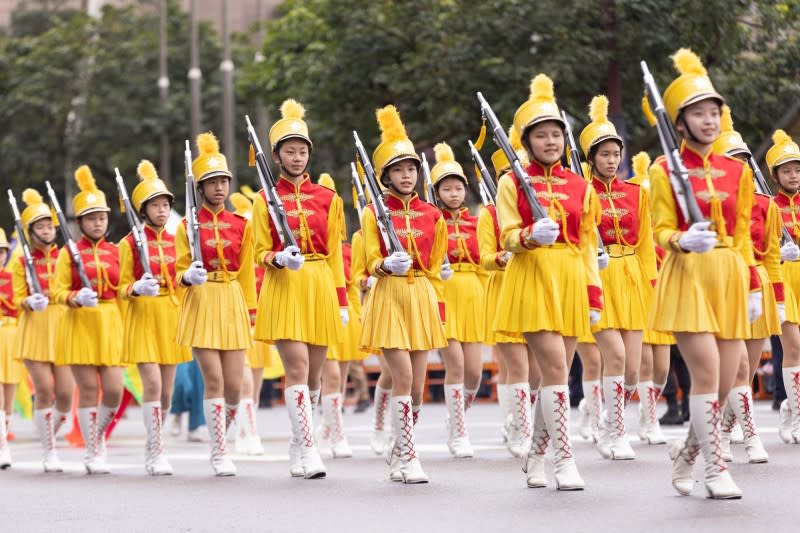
157, 211
701, 122
403, 176
546, 142
94, 225
43, 232
788, 176
215, 191
292, 157
451, 192
607, 158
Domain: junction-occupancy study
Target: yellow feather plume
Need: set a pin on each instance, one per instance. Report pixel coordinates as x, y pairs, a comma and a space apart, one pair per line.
84, 179
146, 171
514, 139
598, 109
32, 197
542, 89
291, 108
240, 202
326, 180
687, 62
207, 143
443, 152
781, 137
392, 128
726, 120
641, 164
247, 191
648, 113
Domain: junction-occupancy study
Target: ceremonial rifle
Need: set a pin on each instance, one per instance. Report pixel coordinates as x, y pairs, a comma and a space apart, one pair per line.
763, 187
192, 223
72, 248
30, 268
486, 186
430, 193
137, 230
361, 199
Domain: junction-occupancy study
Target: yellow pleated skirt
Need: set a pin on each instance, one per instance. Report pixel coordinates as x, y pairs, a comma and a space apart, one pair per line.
90, 336
544, 290
768, 323
299, 305
260, 355
658, 338
464, 307
490, 336
350, 347
214, 316
626, 292
698, 293
274, 369
10, 367
37, 333
402, 315
150, 326
791, 290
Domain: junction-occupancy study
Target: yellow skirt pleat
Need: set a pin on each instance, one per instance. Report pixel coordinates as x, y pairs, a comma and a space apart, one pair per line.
37, 333
544, 290
350, 349
150, 326
214, 316
11, 369
658, 338
768, 323
702, 293
259, 355
402, 315
299, 305
490, 336
274, 367
464, 307
90, 336
791, 290
625, 295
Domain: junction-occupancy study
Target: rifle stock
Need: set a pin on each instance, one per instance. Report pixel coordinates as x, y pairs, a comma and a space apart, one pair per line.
30, 268
137, 231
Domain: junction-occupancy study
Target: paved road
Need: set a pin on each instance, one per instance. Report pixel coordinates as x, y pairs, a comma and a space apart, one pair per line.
486, 493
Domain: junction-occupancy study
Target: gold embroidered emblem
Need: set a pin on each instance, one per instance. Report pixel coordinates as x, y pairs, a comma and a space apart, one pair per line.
707, 196
789, 209
550, 196
43, 262
292, 197
453, 236
212, 243
296, 213
612, 233
298, 234
92, 264
456, 253
404, 233
544, 180
613, 195
618, 212
700, 173
4, 281
399, 213
220, 225
216, 262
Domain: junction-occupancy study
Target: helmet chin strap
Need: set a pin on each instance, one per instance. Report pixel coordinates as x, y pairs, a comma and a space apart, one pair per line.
39, 238
285, 170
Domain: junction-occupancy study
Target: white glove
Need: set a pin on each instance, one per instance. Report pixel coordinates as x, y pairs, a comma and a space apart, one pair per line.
698, 239
447, 272
544, 232
781, 312
504, 258
754, 306
147, 285
397, 263
602, 260
37, 302
344, 314
371, 281
790, 252
594, 317
196, 274
86, 298
290, 258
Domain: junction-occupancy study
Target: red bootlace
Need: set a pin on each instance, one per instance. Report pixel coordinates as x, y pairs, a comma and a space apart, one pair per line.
230, 416
219, 432
561, 422
308, 439
652, 396
522, 408
157, 447
470, 397
796, 387
716, 447
459, 414
93, 436
407, 431
619, 408
729, 420
380, 410
48, 424
337, 417
597, 401
747, 424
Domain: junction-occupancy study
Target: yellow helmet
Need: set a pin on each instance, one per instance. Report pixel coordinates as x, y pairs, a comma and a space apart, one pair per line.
641, 167
291, 124
3, 239
149, 185
782, 151
693, 84
395, 144
209, 162
600, 128
36, 208
540, 107
90, 199
247, 191
446, 165
326, 180
729, 141
242, 206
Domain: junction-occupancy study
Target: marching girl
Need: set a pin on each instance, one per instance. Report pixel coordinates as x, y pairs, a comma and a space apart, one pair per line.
151, 318
627, 236
517, 392
710, 267
39, 317
463, 296
655, 349
783, 161
551, 290
220, 299
259, 355
401, 316
765, 229
303, 301
89, 337
10, 368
